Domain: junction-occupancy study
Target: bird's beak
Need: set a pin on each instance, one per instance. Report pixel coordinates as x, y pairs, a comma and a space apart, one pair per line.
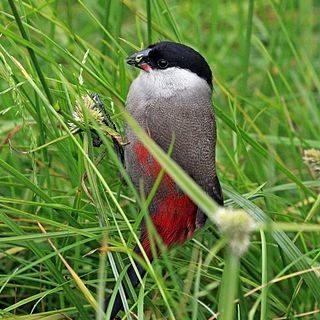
140, 60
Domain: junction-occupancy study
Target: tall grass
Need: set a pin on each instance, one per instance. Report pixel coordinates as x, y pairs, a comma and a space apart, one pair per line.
69, 222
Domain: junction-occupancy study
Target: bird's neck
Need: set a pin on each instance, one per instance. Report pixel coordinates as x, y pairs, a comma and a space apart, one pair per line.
173, 82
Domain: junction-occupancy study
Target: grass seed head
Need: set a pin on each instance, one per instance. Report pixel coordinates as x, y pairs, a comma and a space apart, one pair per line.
91, 107
237, 225
312, 159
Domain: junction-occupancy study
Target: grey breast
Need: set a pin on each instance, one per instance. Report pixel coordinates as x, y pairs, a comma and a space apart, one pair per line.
186, 118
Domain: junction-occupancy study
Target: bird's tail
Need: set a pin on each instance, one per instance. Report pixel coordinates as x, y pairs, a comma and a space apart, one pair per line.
171, 237
134, 279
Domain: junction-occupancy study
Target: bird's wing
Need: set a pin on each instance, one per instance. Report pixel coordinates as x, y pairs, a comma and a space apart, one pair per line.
215, 191
194, 132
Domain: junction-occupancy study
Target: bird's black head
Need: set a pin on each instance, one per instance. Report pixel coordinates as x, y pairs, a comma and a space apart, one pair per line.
165, 54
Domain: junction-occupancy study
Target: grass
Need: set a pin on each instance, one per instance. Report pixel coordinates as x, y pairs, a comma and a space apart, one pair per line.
60, 251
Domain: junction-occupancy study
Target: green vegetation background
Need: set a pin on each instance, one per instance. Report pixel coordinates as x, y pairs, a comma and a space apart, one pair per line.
265, 59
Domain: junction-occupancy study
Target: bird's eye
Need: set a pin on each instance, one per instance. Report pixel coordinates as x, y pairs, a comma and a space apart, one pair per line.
162, 63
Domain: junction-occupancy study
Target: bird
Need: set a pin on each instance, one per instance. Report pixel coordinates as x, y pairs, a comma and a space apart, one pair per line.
171, 99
